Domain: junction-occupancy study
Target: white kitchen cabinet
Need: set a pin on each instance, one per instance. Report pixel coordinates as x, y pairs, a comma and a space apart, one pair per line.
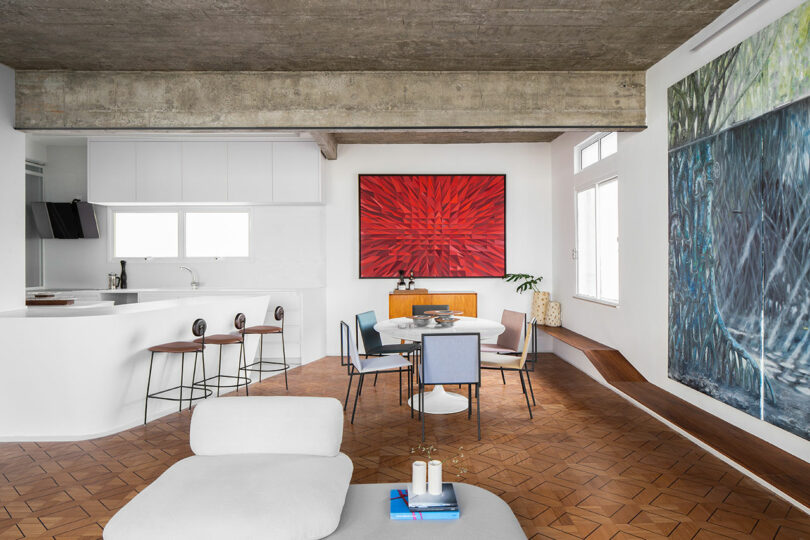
296, 172
205, 171
250, 172
111, 172
158, 172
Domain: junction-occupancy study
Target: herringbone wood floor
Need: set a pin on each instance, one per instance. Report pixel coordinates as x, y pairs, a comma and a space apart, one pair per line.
589, 465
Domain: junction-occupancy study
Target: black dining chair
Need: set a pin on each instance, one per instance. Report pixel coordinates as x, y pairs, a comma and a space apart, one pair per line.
451, 359
420, 309
372, 341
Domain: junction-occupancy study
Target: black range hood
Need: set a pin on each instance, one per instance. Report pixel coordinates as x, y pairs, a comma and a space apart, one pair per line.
75, 219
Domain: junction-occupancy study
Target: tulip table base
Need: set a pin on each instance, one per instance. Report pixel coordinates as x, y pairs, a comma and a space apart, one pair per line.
438, 401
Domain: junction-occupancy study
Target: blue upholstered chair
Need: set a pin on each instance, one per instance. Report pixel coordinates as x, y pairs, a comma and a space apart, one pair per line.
451, 359
389, 363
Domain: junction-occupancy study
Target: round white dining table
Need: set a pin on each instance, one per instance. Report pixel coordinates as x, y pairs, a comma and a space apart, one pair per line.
439, 401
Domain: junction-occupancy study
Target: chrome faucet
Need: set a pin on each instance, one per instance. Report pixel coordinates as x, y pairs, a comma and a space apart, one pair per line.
194, 282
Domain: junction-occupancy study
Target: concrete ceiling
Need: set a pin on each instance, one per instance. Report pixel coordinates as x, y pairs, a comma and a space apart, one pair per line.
341, 35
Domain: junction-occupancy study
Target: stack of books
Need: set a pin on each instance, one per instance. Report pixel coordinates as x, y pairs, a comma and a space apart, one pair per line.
425, 506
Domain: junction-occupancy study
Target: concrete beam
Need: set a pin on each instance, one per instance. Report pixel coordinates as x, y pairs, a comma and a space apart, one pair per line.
330, 100
327, 143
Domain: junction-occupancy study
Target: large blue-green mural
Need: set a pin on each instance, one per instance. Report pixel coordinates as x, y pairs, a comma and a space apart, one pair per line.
739, 226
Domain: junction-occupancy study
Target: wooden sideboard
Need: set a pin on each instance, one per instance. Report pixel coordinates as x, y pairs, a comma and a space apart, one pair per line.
399, 304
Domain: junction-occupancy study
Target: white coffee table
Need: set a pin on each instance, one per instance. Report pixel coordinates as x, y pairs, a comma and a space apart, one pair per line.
483, 516
439, 401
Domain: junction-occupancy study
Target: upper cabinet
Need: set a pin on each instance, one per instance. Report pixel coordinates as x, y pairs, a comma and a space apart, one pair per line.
203, 171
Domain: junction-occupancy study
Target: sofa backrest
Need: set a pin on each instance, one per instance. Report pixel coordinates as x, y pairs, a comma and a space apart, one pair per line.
267, 425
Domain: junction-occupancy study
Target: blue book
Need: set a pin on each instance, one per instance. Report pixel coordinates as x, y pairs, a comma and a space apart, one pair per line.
400, 511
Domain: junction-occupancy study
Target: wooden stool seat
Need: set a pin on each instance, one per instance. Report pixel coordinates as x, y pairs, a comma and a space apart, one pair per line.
177, 347
221, 339
263, 330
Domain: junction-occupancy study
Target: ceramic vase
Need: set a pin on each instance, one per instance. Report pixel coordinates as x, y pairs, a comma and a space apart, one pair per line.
553, 314
540, 301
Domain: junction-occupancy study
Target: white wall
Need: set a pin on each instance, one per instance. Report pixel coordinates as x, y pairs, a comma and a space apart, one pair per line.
528, 223
287, 244
638, 327
12, 201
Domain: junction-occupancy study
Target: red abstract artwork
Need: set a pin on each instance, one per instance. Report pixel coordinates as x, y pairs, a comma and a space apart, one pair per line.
433, 225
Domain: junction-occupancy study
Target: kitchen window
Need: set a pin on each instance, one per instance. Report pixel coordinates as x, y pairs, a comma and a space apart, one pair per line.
597, 241
179, 234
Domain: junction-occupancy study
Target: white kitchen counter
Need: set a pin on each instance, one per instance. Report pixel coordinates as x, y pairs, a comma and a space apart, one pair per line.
84, 376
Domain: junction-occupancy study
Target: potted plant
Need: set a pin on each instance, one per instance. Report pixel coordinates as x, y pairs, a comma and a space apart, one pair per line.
540, 298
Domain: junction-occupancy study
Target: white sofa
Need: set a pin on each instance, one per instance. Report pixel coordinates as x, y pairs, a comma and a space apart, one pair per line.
264, 467
271, 468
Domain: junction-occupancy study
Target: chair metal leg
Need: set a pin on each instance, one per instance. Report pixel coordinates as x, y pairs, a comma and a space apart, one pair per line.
410, 387
348, 390
525, 394
219, 370
502, 377
400, 386
357, 395
148, 383
182, 369
284, 356
529, 380
375, 379
421, 406
478, 408
469, 401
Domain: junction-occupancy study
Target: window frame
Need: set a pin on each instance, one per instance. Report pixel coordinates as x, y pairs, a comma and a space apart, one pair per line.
594, 184
181, 212
595, 138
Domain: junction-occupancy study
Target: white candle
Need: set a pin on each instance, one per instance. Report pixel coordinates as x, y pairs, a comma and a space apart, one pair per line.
419, 477
435, 477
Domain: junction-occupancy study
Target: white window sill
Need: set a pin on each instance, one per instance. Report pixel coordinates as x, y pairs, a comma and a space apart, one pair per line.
596, 300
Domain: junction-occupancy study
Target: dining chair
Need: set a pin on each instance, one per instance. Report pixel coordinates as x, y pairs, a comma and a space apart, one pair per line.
389, 363
420, 309
372, 341
509, 341
490, 360
451, 359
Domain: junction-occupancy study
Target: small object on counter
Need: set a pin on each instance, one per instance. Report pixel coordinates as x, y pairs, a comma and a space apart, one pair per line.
419, 478
435, 477
123, 274
401, 282
411, 283
50, 301
113, 281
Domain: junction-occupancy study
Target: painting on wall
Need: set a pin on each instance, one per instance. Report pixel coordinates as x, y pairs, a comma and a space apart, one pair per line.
739, 226
434, 225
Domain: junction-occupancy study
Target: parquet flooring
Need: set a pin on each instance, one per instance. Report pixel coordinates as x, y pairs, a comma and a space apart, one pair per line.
589, 465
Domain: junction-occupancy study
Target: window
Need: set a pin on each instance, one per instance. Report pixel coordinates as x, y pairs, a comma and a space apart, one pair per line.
179, 234
145, 234
597, 238
595, 149
217, 234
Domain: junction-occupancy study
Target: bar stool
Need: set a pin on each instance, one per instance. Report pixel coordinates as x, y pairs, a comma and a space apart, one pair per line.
263, 331
180, 347
222, 340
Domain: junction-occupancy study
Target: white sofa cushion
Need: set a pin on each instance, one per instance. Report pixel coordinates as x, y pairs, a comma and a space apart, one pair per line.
239, 497
267, 425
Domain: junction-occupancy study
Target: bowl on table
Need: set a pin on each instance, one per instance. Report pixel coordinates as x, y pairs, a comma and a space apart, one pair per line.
443, 313
421, 320
446, 322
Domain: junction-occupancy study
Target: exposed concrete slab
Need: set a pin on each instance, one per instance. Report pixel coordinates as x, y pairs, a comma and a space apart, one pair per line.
328, 100
338, 35
444, 137
327, 143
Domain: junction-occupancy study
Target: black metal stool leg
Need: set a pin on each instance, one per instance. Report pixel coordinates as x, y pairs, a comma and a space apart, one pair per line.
219, 370
148, 383
284, 355
241, 371
182, 369
193, 375
261, 356
205, 381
